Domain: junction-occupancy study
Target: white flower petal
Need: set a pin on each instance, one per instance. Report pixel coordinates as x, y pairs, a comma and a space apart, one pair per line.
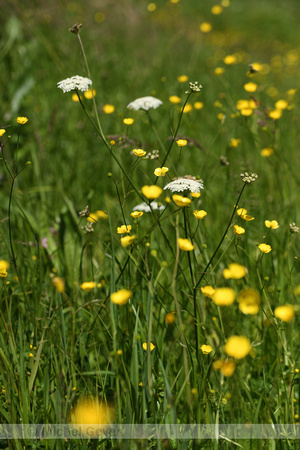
145, 103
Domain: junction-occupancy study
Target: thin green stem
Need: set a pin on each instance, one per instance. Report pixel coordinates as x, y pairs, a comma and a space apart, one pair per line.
222, 239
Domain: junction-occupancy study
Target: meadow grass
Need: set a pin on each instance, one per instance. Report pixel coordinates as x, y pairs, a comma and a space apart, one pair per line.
188, 273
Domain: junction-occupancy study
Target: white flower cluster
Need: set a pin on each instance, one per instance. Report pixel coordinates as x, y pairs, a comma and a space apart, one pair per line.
184, 184
145, 103
154, 206
248, 178
74, 83
194, 87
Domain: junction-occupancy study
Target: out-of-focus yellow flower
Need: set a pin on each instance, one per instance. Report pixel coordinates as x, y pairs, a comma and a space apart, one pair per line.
286, 313
216, 10
59, 284
185, 244
127, 240
128, 121
281, 104
234, 143
275, 114
266, 152
170, 318
208, 291
2, 132
237, 346
151, 192
187, 108
182, 78
174, 99
121, 297
250, 87
87, 286
230, 59
205, 27
89, 412
224, 296
89, 93
219, 71
273, 224
4, 265
198, 105
235, 271
179, 200
108, 109
249, 301
196, 194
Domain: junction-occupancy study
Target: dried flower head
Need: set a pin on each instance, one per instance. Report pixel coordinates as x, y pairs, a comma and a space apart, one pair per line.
76, 28
152, 155
76, 83
145, 103
85, 212
249, 178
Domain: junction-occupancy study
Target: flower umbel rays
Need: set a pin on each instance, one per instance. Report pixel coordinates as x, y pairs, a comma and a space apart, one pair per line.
185, 184
76, 83
145, 103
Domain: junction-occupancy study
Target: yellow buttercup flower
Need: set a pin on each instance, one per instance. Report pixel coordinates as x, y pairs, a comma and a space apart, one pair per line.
108, 109
281, 104
179, 200
198, 105
219, 70
59, 284
89, 93
174, 99
182, 78
229, 59
250, 87
2, 132
161, 171
127, 240
185, 244
88, 286
200, 214
208, 291
266, 152
136, 214
286, 313
273, 224
205, 27
237, 346
170, 318
128, 121
187, 108
234, 143
206, 349
238, 230
145, 346
139, 152
22, 120
249, 301
275, 114
124, 229
181, 142
89, 412
151, 192
265, 248
216, 10
235, 271
121, 297
226, 367
223, 296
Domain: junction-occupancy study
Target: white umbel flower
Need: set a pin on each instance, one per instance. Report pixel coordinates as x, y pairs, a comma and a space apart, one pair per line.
184, 184
145, 103
146, 208
74, 83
